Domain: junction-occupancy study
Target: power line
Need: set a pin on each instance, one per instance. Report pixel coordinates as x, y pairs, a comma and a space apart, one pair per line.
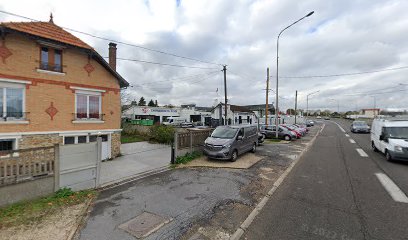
163, 64
345, 74
189, 82
179, 78
116, 41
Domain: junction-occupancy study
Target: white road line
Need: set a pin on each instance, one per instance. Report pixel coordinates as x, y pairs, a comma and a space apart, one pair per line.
342, 129
361, 152
347, 135
392, 188
352, 140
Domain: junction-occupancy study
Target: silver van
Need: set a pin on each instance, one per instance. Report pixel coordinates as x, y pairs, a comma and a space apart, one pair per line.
228, 142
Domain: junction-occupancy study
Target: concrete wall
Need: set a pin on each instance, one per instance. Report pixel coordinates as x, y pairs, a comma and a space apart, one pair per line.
26, 190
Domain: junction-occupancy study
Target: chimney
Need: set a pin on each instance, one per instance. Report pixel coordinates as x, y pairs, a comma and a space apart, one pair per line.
112, 55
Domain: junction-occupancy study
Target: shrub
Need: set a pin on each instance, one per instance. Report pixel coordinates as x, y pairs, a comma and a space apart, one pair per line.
188, 157
162, 134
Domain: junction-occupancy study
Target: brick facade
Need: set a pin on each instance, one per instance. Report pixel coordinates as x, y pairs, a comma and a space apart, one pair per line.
46, 90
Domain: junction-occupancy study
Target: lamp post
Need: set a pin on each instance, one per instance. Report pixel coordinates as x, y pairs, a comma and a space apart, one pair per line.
307, 103
277, 71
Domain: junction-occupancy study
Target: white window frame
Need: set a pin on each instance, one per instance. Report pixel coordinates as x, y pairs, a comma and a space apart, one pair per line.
87, 94
15, 140
4, 85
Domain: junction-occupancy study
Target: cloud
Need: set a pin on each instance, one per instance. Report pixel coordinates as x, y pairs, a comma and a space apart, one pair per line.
340, 37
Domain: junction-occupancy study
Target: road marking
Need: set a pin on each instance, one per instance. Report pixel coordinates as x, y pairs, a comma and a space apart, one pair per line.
392, 188
361, 152
352, 140
342, 129
347, 135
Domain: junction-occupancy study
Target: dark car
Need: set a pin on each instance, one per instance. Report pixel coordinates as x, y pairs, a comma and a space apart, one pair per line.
359, 127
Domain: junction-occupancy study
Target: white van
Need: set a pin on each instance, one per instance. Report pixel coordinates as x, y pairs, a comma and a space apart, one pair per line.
390, 136
174, 121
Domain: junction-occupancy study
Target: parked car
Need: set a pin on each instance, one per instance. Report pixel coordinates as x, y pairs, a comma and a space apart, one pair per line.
390, 136
359, 126
186, 125
261, 138
228, 142
310, 123
297, 128
302, 126
297, 132
319, 117
283, 133
326, 118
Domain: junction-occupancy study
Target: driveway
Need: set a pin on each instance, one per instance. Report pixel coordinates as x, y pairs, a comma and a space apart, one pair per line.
137, 158
195, 203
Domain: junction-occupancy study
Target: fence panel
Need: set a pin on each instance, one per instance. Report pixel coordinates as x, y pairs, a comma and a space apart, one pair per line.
190, 141
26, 164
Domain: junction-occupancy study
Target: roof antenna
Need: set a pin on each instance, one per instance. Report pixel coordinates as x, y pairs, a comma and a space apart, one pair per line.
51, 18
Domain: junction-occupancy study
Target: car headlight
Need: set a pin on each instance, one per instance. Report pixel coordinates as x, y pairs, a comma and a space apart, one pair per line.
226, 146
398, 148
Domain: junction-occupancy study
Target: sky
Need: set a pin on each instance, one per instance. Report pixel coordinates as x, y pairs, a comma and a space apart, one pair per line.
341, 37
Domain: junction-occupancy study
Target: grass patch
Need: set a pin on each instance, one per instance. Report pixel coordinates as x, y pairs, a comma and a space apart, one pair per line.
273, 140
32, 211
131, 138
188, 157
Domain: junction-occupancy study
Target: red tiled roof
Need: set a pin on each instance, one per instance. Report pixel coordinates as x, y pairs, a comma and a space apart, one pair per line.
46, 30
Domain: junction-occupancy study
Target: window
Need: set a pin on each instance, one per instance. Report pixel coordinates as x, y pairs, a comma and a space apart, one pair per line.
6, 144
69, 140
92, 138
88, 106
51, 59
82, 139
11, 103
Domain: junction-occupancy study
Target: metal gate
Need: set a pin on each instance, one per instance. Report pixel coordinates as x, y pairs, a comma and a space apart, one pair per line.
79, 166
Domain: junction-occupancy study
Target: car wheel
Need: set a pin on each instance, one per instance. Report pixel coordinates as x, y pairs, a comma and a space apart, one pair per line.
253, 148
388, 156
374, 147
234, 156
287, 138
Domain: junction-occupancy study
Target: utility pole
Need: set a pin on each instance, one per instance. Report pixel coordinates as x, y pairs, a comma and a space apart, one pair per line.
295, 106
267, 96
224, 69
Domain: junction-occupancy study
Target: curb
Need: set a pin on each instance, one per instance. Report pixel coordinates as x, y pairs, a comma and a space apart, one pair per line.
244, 226
80, 219
132, 178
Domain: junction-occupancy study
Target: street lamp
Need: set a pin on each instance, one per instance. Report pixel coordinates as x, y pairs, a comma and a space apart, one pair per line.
307, 103
277, 71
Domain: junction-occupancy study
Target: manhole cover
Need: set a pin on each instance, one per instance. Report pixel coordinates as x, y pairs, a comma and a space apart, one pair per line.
144, 224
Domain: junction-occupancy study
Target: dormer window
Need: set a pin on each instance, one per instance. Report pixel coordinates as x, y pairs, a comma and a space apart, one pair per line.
51, 59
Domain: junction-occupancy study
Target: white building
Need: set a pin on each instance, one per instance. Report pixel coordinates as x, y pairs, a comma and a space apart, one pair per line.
160, 114
235, 115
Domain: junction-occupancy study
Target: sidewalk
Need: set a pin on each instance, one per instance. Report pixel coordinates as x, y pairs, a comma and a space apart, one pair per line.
137, 158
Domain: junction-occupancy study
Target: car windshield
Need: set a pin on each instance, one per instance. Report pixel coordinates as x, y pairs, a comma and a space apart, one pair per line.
224, 132
396, 132
359, 123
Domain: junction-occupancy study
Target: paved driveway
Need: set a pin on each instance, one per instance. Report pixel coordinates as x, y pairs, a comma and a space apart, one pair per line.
136, 158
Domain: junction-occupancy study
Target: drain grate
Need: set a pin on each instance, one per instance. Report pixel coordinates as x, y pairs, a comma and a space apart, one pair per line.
144, 224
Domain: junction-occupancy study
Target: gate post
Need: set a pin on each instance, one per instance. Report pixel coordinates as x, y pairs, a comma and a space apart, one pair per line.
98, 160
56, 167
191, 141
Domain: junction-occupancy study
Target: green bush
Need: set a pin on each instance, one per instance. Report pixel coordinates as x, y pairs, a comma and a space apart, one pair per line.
162, 134
188, 157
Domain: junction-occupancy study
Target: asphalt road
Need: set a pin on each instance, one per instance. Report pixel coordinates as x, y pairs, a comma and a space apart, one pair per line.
333, 193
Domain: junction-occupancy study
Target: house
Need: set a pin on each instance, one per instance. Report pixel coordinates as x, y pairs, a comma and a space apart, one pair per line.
235, 115
56, 89
370, 112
